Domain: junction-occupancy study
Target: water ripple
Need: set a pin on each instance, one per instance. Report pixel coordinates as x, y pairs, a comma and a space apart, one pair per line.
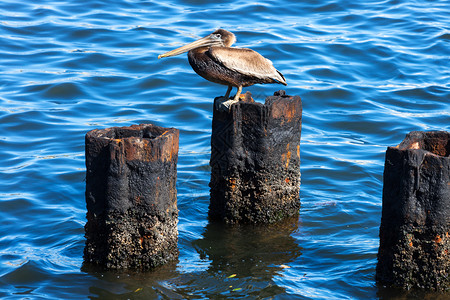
368, 73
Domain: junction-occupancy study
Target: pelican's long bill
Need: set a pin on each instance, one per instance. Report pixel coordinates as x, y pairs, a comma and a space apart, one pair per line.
207, 41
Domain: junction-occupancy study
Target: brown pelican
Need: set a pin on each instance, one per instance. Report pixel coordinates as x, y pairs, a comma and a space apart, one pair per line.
213, 58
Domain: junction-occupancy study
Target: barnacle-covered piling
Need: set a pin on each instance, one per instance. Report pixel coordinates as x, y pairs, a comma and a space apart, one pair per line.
131, 196
415, 223
255, 160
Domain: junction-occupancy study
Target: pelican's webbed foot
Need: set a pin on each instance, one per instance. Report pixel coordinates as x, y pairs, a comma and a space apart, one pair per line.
223, 103
226, 105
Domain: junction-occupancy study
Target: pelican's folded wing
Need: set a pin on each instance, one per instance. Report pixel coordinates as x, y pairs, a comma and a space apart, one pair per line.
247, 62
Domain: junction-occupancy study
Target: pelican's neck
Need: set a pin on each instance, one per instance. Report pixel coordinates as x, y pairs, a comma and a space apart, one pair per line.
199, 50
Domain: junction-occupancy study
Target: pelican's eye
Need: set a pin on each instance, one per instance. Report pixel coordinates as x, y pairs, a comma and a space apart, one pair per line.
217, 36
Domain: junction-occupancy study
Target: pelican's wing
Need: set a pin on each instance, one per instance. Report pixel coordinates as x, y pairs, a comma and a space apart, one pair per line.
247, 62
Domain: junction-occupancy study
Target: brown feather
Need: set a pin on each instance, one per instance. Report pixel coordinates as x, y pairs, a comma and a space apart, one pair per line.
247, 62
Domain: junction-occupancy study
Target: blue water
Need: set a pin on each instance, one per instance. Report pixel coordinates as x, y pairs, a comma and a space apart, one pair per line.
368, 73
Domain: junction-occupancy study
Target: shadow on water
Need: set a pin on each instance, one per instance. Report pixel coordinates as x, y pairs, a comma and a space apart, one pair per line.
243, 261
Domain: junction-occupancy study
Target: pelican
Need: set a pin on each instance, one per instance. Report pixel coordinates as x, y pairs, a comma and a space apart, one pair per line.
213, 58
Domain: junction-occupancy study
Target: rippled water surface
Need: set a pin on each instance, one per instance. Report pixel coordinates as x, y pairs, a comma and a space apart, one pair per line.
367, 73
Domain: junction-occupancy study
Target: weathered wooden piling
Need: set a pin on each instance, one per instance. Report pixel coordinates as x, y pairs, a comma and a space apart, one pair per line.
131, 196
415, 223
255, 160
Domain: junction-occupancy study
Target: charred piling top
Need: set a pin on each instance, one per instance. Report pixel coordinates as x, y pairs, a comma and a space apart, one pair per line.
436, 142
131, 196
415, 224
255, 160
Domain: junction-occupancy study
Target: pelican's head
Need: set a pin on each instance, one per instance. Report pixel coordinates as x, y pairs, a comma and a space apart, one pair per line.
219, 38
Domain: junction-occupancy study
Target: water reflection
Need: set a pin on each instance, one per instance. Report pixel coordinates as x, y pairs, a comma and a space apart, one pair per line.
243, 260
127, 284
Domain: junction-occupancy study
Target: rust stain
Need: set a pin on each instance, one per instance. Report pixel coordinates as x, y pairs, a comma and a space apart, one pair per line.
247, 97
438, 239
170, 148
151, 150
174, 149
287, 180
134, 149
290, 114
141, 240
232, 182
286, 157
284, 109
410, 241
298, 150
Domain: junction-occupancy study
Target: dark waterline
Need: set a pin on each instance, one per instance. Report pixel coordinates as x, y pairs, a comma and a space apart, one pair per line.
368, 73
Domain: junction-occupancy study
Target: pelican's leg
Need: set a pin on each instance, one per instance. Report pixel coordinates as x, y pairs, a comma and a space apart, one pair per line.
218, 103
228, 92
239, 91
219, 100
227, 104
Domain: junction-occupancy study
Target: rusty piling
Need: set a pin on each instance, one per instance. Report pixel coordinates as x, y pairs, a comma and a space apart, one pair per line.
255, 160
131, 197
415, 223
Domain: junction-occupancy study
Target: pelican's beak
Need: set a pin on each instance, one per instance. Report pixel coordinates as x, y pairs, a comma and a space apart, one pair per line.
203, 42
